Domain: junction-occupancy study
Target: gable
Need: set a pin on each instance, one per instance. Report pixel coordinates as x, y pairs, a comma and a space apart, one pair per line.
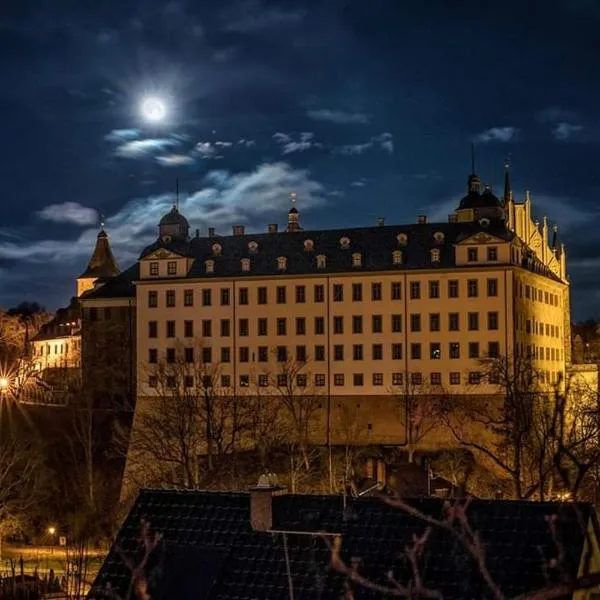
162, 254
480, 238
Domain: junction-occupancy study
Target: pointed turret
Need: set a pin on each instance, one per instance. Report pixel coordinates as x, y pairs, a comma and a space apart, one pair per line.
293, 215
555, 241
102, 265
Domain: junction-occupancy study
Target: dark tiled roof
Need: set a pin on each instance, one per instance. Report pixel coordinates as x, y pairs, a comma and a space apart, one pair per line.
102, 263
376, 245
66, 322
120, 286
208, 543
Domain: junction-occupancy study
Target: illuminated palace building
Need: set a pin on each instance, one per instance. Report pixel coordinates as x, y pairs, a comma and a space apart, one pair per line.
364, 312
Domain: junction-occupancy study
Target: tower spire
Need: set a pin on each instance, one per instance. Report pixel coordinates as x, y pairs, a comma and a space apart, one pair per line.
293, 216
473, 182
507, 189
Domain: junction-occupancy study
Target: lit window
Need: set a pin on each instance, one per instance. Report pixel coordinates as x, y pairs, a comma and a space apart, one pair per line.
281, 263
253, 247
210, 266
397, 257
402, 239
345, 243
309, 245
321, 261
217, 248
246, 264
356, 259
435, 255
438, 236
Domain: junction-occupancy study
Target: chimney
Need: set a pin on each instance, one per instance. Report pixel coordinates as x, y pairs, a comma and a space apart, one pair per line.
422, 219
238, 230
380, 222
211, 232
261, 502
272, 228
197, 233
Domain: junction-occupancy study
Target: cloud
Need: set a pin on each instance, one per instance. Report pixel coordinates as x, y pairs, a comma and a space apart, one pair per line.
564, 131
359, 183
497, 134
143, 148
553, 114
246, 143
383, 141
253, 16
174, 160
206, 150
336, 193
338, 116
69, 212
296, 143
222, 199
122, 135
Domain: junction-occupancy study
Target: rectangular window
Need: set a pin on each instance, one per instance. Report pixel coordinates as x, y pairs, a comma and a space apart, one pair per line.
206, 328
170, 355
153, 355
225, 296
262, 295
358, 379
225, 328
527, 291
282, 326
492, 321
188, 381
357, 324
434, 289
170, 296
153, 269
206, 297
263, 380
338, 379
492, 253
338, 352
281, 353
377, 323
282, 379
434, 321
473, 349
243, 327
338, 325
188, 355
415, 290
396, 351
170, 329
473, 321
338, 292
377, 379
281, 295
244, 353
300, 326
396, 290
492, 287
319, 293
225, 354
357, 292
263, 354
171, 381
454, 350
172, 267
435, 351
357, 352
152, 329
472, 254
152, 300
225, 381
453, 288
188, 329
319, 325
300, 294
376, 291
415, 351
377, 351
454, 378
262, 326
319, 380
474, 377
493, 349
416, 378
436, 378
301, 380
396, 323
245, 381
397, 378
243, 296
188, 297
415, 322
472, 289
319, 353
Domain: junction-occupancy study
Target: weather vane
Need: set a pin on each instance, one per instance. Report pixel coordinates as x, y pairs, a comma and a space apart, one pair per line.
293, 197
101, 217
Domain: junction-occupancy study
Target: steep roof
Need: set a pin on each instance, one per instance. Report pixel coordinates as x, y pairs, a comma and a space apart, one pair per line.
209, 550
102, 263
65, 323
120, 286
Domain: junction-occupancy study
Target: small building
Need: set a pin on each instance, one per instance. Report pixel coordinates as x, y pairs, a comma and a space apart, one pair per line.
267, 545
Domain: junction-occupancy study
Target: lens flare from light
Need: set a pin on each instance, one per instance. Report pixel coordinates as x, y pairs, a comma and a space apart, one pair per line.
153, 109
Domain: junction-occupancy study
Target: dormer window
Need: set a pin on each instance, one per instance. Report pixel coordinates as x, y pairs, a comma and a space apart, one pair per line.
321, 261
253, 247
484, 222
435, 255
245, 264
472, 254
153, 269
402, 239
309, 245
172, 267
356, 259
438, 236
217, 249
397, 257
345, 243
281, 263
209, 265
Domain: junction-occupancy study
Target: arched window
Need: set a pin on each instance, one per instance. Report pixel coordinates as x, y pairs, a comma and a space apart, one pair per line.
281, 263
397, 257
356, 259
345, 243
435, 255
217, 248
321, 261
309, 245
402, 239
210, 266
245, 264
253, 247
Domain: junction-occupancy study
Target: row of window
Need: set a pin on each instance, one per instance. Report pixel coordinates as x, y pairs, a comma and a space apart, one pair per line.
338, 293
357, 325
282, 353
56, 348
473, 254
320, 380
539, 352
548, 329
538, 295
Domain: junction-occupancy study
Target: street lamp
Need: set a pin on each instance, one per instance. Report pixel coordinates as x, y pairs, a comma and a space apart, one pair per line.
52, 531
4, 384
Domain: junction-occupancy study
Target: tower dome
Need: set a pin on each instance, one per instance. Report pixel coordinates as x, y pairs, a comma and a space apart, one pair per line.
174, 225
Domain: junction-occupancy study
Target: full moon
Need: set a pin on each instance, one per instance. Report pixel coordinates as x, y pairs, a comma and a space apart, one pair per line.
153, 109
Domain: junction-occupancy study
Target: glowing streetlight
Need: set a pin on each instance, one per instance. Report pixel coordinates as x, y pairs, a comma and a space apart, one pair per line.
51, 530
153, 109
4, 384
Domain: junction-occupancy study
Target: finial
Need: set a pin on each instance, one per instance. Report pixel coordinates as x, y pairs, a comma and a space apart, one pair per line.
293, 197
101, 219
555, 228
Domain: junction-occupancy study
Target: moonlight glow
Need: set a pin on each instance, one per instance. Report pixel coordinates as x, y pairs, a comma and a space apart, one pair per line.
153, 109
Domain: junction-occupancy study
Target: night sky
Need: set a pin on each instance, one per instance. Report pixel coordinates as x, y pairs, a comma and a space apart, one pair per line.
364, 109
